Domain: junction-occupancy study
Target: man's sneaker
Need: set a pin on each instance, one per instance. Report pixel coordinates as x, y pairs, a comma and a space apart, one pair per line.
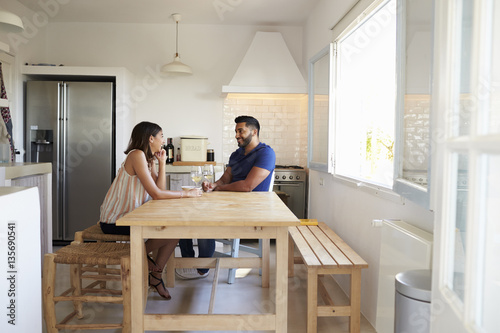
189, 274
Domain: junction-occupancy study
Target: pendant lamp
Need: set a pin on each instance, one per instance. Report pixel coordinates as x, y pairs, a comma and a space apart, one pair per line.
176, 66
10, 22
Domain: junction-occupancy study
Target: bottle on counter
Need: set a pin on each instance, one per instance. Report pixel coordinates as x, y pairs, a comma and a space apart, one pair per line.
170, 151
210, 155
178, 157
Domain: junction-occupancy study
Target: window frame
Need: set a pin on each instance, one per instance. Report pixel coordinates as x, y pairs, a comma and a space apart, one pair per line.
372, 186
407, 189
311, 164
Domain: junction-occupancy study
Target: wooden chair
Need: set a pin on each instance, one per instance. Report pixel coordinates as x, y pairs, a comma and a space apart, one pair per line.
89, 254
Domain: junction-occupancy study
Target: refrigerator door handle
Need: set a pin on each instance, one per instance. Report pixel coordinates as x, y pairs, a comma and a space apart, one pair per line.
64, 151
59, 161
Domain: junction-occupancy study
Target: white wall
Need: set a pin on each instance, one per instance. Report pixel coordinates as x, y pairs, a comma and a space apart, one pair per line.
181, 105
346, 208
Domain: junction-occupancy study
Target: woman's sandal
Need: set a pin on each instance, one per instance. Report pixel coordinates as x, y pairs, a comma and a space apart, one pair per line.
155, 268
156, 286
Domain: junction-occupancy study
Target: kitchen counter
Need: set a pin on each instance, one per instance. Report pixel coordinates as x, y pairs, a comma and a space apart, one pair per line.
13, 170
180, 175
33, 175
20, 242
170, 168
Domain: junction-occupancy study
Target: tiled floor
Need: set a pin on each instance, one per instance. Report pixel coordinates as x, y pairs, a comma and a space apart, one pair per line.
244, 296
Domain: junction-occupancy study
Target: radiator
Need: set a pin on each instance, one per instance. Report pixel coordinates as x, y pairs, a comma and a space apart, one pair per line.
403, 247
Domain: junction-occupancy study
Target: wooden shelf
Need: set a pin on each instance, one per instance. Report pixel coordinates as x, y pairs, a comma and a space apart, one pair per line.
180, 163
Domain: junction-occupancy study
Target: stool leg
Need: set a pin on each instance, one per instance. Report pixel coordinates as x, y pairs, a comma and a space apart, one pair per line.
76, 284
48, 286
125, 271
312, 300
100, 272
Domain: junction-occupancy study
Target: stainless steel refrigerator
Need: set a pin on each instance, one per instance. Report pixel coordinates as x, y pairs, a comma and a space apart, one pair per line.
71, 125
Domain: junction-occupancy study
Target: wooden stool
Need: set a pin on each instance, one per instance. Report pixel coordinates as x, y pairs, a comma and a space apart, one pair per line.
90, 254
95, 233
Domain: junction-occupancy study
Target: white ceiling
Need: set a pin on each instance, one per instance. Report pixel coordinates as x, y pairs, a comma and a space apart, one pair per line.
228, 12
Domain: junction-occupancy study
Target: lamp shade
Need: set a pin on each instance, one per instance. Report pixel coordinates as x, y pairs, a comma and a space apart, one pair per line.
10, 22
177, 66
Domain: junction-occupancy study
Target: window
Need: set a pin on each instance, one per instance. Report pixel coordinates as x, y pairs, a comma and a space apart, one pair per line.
466, 165
319, 151
365, 98
414, 47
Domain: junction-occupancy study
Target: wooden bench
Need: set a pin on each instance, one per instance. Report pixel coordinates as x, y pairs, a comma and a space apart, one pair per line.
324, 252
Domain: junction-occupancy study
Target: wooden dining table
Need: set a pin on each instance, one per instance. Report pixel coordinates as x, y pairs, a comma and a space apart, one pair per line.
244, 215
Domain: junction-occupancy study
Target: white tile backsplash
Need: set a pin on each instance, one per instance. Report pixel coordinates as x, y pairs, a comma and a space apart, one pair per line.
283, 124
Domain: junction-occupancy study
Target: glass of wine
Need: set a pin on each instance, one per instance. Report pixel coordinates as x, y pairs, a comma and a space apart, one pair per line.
196, 175
208, 172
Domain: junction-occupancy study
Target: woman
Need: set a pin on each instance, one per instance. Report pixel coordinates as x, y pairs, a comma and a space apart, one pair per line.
137, 182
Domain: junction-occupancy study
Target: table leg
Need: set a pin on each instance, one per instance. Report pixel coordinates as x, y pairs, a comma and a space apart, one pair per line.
281, 280
170, 271
291, 259
266, 244
137, 256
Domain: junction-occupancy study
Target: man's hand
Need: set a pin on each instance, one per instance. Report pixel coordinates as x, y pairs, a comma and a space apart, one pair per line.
208, 186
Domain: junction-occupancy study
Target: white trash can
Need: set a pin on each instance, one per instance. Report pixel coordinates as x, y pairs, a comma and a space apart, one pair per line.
413, 302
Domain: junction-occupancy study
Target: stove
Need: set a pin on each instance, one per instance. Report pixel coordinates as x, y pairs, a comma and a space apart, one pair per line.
290, 182
289, 173
278, 166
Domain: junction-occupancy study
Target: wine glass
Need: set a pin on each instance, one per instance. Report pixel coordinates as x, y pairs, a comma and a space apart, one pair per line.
196, 175
208, 172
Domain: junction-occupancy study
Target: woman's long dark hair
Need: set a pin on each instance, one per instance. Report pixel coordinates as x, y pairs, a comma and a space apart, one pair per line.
140, 138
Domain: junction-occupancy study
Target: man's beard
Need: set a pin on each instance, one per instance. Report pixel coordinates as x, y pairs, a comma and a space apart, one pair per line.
246, 141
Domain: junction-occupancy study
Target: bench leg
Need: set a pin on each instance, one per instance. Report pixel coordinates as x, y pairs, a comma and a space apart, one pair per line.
312, 300
354, 323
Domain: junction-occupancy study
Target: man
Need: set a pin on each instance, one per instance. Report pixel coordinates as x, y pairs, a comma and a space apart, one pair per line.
250, 168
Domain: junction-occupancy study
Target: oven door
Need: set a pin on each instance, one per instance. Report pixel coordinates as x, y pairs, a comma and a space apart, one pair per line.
296, 199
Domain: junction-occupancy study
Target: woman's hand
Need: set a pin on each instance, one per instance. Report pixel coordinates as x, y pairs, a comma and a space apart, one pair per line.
195, 192
161, 156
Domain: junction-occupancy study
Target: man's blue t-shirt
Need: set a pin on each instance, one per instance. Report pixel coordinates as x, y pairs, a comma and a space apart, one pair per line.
261, 156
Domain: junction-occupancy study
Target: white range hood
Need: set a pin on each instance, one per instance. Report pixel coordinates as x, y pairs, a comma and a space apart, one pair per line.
267, 68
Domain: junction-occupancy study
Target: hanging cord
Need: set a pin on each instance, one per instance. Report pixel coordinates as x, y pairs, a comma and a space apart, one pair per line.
176, 38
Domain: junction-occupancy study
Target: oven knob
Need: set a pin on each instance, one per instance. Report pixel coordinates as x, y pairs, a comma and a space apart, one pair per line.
291, 177
276, 177
284, 177
298, 177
